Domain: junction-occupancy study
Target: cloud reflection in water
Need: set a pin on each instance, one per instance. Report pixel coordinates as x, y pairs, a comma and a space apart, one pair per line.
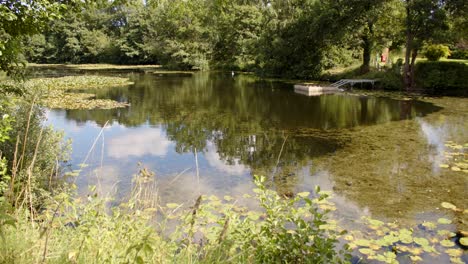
139, 142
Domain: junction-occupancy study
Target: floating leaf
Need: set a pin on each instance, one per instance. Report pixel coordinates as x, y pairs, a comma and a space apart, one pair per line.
429, 225
352, 246
446, 233
444, 166
172, 205
429, 249
464, 241
447, 205
421, 241
362, 242
367, 251
457, 261
416, 251
447, 243
405, 238
444, 221
376, 222
454, 252
415, 258
349, 238
387, 257
303, 194
228, 198
455, 169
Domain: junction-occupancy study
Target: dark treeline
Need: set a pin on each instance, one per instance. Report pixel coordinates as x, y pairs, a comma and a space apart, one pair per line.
295, 38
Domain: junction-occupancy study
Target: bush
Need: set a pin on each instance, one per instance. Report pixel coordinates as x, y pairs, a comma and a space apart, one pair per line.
442, 76
459, 54
31, 153
435, 52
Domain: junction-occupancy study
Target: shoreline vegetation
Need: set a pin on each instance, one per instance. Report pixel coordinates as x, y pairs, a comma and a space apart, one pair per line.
272, 229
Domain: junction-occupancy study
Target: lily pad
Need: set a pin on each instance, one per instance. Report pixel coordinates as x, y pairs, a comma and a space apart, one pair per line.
457, 261
430, 225
454, 252
421, 241
172, 205
406, 239
375, 222
415, 258
362, 242
447, 243
447, 205
444, 221
367, 251
464, 241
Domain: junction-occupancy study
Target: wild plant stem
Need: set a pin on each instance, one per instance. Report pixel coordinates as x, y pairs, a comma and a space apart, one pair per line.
26, 133
30, 171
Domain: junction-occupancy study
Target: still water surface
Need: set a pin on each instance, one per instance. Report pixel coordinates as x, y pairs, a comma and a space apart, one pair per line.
380, 156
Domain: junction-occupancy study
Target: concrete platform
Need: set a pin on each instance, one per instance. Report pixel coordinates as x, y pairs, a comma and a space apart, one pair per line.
314, 90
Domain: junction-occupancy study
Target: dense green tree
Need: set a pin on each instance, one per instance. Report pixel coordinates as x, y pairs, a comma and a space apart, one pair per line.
18, 19
424, 21
295, 38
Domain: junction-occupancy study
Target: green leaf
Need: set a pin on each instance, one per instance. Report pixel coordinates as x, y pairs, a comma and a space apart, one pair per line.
362, 242
303, 194
421, 241
447, 243
376, 222
454, 252
464, 241
367, 251
447, 205
172, 205
444, 221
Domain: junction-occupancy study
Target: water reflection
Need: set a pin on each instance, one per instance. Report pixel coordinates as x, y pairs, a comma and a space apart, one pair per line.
138, 142
436, 137
233, 128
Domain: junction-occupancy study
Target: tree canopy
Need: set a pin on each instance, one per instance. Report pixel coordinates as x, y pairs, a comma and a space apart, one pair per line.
295, 38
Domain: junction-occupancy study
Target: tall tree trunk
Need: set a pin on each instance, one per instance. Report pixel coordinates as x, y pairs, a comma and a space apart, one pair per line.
367, 46
414, 54
409, 45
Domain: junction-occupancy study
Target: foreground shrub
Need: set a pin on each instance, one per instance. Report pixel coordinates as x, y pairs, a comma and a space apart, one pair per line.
213, 230
442, 76
31, 154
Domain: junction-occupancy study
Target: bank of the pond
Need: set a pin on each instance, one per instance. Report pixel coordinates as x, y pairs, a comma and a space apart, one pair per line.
446, 77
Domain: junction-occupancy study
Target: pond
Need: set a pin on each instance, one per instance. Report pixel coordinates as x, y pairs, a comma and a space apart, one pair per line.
209, 133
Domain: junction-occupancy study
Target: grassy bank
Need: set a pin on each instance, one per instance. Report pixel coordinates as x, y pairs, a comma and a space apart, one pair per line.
439, 77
